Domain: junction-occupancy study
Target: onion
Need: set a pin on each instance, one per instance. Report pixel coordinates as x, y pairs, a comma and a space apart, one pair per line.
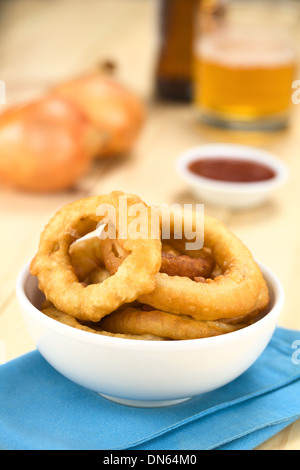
114, 110
44, 146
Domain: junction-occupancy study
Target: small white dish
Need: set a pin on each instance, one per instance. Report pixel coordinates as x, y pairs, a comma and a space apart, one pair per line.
146, 373
231, 194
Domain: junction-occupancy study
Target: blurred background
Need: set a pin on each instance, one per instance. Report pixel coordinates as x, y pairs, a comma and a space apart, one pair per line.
46, 41
103, 95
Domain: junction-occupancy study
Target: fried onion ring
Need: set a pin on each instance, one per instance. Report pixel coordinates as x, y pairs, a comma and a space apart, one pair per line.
137, 321
239, 290
56, 275
66, 319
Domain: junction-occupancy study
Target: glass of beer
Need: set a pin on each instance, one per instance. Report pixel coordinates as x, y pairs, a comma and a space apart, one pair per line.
245, 60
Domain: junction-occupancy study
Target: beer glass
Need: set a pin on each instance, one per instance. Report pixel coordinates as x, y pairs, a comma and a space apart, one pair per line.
245, 60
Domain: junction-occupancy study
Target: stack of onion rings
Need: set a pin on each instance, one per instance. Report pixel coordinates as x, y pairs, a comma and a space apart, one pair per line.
149, 289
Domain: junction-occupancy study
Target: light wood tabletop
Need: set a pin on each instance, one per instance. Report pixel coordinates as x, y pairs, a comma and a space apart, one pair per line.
43, 43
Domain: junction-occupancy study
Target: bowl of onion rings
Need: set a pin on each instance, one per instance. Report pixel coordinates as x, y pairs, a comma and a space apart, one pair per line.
179, 325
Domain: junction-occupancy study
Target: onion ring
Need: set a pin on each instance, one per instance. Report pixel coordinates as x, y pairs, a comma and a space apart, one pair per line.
57, 277
66, 319
163, 324
239, 290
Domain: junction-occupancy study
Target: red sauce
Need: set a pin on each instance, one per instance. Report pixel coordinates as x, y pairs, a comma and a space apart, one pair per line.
230, 169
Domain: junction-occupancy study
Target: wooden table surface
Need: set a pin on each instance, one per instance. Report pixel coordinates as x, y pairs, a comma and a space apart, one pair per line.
42, 43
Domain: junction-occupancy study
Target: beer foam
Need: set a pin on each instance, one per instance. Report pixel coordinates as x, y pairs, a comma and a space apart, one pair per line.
242, 50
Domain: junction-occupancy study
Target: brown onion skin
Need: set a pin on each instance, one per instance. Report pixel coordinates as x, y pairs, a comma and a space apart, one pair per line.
116, 112
44, 145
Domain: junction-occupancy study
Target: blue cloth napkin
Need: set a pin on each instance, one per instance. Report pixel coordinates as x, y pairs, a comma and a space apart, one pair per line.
40, 409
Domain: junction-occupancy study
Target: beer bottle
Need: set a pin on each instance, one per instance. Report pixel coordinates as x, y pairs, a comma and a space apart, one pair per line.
175, 57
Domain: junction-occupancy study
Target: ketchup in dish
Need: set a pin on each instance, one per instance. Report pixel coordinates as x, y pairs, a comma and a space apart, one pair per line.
231, 169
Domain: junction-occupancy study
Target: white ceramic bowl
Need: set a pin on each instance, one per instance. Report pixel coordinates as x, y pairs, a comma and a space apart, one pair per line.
228, 194
146, 373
